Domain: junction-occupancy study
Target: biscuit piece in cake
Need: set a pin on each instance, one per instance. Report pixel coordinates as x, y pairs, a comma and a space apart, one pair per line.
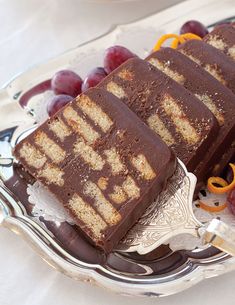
212, 60
216, 97
174, 113
223, 38
101, 161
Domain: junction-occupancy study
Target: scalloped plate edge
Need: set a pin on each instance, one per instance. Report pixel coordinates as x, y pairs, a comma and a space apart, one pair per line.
164, 20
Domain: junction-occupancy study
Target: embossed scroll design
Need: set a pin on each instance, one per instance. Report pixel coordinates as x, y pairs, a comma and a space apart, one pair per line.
170, 215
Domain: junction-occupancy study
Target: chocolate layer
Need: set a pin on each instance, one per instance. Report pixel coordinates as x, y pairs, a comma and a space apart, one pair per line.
215, 96
212, 60
103, 163
174, 113
161, 260
223, 38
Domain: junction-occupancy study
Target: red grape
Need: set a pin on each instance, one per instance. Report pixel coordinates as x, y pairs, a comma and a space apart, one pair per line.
115, 56
194, 27
231, 201
57, 102
93, 78
66, 82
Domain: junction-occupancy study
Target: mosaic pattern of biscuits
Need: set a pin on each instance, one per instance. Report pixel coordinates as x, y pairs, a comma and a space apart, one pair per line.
103, 163
216, 97
223, 38
176, 115
212, 60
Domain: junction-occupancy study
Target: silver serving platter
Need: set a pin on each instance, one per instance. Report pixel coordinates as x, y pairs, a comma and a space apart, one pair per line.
163, 273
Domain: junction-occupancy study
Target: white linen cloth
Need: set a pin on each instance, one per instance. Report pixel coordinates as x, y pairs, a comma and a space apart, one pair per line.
32, 31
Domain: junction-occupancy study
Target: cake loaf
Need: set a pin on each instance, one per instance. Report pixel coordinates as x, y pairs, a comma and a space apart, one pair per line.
216, 97
223, 38
212, 60
174, 113
101, 161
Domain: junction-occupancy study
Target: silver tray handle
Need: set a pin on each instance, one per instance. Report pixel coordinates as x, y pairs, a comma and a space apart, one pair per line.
219, 235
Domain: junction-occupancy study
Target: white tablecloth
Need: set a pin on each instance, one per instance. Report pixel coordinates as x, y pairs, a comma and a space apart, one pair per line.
30, 32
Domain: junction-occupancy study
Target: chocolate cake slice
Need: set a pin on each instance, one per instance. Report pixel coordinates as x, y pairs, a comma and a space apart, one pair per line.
223, 38
212, 60
181, 120
216, 97
101, 161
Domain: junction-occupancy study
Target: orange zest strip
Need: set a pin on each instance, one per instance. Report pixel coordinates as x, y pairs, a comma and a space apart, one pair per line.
163, 39
177, 39
175, 43
190, 36
224, 186
212, 209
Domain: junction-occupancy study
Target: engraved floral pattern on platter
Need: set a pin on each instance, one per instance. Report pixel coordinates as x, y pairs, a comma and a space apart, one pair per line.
157, 222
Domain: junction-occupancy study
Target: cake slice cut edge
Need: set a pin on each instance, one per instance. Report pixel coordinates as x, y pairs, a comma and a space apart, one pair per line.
105, 169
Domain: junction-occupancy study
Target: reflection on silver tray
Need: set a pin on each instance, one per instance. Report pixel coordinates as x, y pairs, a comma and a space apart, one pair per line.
129, 274
157, 225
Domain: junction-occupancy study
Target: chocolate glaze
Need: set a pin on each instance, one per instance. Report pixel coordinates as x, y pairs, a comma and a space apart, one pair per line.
210, 56
200, 82
136, 139
226, 33
143, 96
159, 261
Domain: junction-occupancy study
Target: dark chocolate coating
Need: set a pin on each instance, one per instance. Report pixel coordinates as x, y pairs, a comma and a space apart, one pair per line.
160, 261
144, 92
225, 33
210, 57
137, 139
200, 82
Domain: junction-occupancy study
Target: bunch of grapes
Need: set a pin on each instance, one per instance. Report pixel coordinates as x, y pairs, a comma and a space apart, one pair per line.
67, 84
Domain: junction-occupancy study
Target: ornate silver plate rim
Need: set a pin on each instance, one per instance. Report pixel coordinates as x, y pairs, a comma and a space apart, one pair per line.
14, 217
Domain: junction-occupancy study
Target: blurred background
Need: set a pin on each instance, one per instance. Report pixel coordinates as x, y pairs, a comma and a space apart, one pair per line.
33, 31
